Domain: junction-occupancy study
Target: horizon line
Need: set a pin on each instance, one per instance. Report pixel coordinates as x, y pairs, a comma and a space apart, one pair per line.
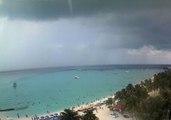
36, 68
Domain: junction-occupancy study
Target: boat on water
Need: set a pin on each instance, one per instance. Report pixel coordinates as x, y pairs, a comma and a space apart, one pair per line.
76, 77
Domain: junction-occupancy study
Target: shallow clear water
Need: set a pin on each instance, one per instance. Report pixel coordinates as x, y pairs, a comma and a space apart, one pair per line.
55, 89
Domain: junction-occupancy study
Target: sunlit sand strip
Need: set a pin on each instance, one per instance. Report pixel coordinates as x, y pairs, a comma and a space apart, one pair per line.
102, 112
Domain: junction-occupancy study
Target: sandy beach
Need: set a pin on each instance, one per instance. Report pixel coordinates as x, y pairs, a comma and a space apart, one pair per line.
105, 114
102, 112
75, 95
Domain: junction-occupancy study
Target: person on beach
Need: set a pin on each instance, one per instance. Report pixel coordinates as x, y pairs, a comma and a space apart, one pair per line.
96, 110
18, 115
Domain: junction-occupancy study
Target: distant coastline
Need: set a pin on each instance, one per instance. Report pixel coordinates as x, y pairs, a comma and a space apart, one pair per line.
121, 66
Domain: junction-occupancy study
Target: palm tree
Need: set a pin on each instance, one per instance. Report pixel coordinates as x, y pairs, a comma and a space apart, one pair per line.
110, 101
89, 115
70, 115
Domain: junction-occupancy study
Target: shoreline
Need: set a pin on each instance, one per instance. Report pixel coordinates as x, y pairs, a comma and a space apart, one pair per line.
79, 108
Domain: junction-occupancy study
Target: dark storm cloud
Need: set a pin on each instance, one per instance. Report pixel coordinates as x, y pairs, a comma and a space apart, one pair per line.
140, 28
53, 9
146, 28
34, 9
141, 23
43, 33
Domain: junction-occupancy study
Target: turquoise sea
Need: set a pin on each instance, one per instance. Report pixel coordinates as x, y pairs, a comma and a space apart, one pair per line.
52, 89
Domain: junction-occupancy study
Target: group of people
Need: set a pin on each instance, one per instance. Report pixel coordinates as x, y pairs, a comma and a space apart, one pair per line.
50, 117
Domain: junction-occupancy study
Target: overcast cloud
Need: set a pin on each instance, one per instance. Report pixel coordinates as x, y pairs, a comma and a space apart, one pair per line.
44, 33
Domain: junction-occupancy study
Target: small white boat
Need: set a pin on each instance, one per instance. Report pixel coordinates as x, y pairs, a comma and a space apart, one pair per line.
76, 77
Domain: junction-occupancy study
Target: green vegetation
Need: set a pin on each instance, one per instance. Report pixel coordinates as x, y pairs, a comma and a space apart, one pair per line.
109, 101
142, 104
73, 115
70, 115
89, 115
149, 100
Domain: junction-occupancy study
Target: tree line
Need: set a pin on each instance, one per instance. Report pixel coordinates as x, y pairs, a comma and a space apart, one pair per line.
69, 114
143, 105
138, 100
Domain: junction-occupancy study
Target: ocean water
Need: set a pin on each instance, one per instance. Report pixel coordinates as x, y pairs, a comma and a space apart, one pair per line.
52, 89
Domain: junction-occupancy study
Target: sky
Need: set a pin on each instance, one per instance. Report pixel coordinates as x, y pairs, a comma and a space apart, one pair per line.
48, 33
